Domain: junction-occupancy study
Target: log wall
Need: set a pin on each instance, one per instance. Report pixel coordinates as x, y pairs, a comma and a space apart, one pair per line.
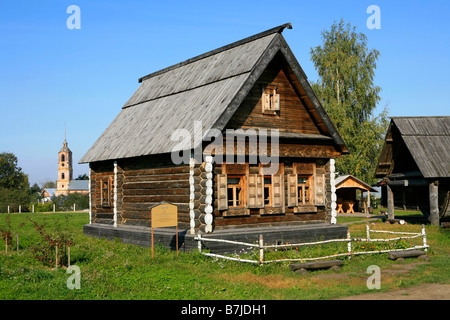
141, 183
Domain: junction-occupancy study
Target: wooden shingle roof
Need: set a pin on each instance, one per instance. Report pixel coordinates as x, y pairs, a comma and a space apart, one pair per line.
428, 141
207, 88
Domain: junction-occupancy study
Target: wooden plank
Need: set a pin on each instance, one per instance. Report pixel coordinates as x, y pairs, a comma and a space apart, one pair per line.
316, 265
434, 204
390, 202
406, 254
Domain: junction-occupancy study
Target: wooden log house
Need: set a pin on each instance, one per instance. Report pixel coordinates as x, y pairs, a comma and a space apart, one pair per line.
414, 166
255, 83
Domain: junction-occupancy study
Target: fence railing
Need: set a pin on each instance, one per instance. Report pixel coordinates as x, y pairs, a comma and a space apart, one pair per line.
31, 208
350, 252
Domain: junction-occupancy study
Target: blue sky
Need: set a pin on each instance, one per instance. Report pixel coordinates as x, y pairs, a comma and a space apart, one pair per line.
51, 75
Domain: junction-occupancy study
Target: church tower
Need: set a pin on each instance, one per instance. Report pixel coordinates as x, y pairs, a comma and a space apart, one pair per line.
65, 171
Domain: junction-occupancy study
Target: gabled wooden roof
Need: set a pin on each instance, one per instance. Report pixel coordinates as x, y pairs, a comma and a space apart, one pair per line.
349, 181
208, 88
427, 140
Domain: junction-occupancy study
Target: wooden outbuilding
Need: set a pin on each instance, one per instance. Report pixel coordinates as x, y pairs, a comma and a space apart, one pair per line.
235, 138
347, 189
414, 166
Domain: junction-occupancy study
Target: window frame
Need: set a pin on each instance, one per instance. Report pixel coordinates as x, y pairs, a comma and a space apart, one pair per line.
105, 201
309, 183
270, 101
242, 194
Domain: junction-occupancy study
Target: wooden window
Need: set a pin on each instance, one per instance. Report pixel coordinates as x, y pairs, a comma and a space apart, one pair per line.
270, 101
304, 189
300, 190
236, 191
105, 192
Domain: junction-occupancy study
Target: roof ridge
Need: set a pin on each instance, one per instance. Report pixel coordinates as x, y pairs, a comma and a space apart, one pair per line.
418, 117
278, 29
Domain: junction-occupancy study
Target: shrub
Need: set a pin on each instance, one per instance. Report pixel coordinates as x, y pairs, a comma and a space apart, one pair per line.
44, 207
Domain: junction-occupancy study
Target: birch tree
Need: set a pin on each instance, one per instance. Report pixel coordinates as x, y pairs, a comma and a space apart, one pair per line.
346, 89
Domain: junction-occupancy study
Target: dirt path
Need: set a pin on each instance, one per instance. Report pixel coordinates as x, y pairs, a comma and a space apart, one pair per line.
432, 291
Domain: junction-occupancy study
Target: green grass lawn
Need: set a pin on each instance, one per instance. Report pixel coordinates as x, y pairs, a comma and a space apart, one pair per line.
114, 270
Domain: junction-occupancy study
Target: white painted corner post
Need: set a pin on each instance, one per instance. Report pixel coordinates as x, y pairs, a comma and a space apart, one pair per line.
209, 194
192, 195
90, 196
115, 194
333, 191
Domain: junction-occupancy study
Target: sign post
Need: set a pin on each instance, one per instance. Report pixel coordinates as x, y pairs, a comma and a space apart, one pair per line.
164, 215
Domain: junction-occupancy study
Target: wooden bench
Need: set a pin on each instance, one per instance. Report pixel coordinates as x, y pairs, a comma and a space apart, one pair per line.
401, 255
305, 266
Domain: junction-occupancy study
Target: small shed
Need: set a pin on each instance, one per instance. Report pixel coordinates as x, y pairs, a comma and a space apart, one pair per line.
414, 166
348, 199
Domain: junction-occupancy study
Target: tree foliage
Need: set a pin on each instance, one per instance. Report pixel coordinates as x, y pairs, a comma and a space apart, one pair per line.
346, 89
11, 176
14, 186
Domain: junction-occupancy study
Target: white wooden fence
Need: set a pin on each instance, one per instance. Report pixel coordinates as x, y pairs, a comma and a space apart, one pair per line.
349, 240
19, 208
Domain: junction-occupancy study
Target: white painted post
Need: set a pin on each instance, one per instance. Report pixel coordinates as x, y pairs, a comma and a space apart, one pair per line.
32, 208
8, 209
424, 237
199, 244
261, 249
191, 195
115, 194
208, 201
367, 232
20, 208
333, 192
54, 208
349, 245
90, 205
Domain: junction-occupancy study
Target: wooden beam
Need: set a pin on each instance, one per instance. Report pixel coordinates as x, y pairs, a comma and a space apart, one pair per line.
408, 182
390, 202
434, 204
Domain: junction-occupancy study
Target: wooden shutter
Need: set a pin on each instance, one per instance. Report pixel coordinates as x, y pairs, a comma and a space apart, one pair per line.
292, 190
265, 102
106, 196
222, 192
255, 191
276, 102
277, 191
319, 189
